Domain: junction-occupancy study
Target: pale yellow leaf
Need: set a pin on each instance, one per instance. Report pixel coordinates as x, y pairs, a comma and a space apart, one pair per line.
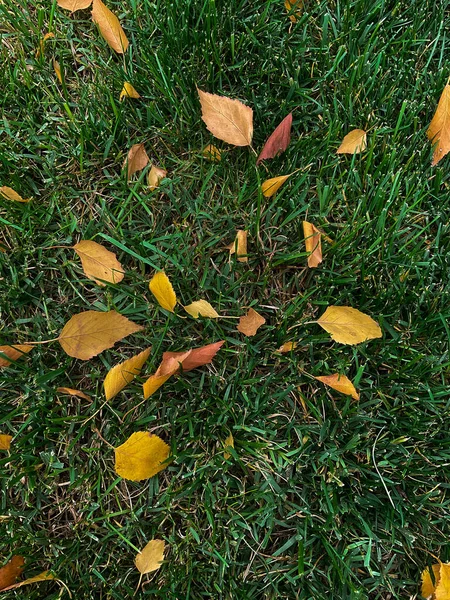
348, 325
239, 246
110, 28
168, 367
293, 7
353, 143
136, 160
228, 443
10, 194
150, 558
155, 176
442, 591
122, 374
141, 456
74, 5
428, 587
340, 383
271, 186
57, 69
287, 347
228, 120
313, 244
99, 264
128, 91
73, 392
163, 291
45, 576
9, 354
212, 153
11, 571
250, 323
439, 129
5, 441
201, 308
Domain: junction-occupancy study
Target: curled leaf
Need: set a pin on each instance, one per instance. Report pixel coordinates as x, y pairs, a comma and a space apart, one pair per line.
10, 194
278, 141
110, 28
142, 456
128, 91
41, 47
239, 246
228, 120
73, 392
353, 143
287, 347
136, 160
150, 557
340, 383
271, 186
168, 367
99, 264
439, 130
348, 325
122, 374
57, 69
9, 354
201, 308
163, 291
313, 244
155, 176
44, 576
250, 323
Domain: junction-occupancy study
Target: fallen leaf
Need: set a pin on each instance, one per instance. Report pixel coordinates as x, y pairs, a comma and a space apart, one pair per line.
239, 246
348, 325
442, 591
294, 7
11, 571
287, 347
128, 91
12, 353
278, 141
136, 160
271, 186
142, 456
340, 383
45, 576
212, 153
313, 244
41, 47
155, 176
228, 443
74, 5
110, 28
353, 143
72, 392
250, 323
228, 120
5, 443
168, 367
99, 264
163, 291
439, 130
122, 374
201, 308
428, 587
57, 69
88, 333
197, 357
10, 194
150, 558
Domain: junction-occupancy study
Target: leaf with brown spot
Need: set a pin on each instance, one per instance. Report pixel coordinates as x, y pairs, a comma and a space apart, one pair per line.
72, 392
239, 246
340, 383
9, 354
353, 143
142, 456
155, 176
228, 443
201, 308
197, 357
110, 28
278, 141
250, 323
57, 69
163, 291
313, 244
212, 153
294, 8
228, 120
150, 557
74, 5
99, 264
122, 374
136, 160
11, 571
271, 186
5, 441
10, 194
439, 130
128, 91
348, 325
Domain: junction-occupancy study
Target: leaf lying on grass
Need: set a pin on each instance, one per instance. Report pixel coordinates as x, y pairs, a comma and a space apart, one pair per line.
228, 443
5, 441
110, 28
440, 589
99, 264
278, 141
142, 456
122, 374
340, 383
9, 354
136, 160
74, 5
239, 246
313, 244
10, 194
348, 325
228, 120
271, 186
439, 130
163, 291
150, 557
201, 308
73, 392
155, 176
250, 323
128, 91
353, 143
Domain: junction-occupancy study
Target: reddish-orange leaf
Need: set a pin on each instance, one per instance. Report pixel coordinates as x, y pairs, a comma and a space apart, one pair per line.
168, 367
313, 244
340, 383
196, 357
278, 141
12, 353
250, 323
11, 571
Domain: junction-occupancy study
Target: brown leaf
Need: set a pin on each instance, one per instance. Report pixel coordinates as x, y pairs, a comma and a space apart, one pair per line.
313, 244
294, 7
201, 308
74, 5
163, 291
72, 392
5, 441
228, 120
353, 143
168, 367
197, 357
57, 69
155, 176
11, 571
239, 246
12, 353
142, 456
212, 153
88, 333
278, 141
271, 186
128, 91
122, 374
340, 383
348, 325
137, 159
10, 194
109, 26
45, 576
439, 130
250, 323
150, 558
99, 264
287, 347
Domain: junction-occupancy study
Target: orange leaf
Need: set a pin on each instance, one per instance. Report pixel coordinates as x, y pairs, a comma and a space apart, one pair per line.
428, 587
197, 357
353, 143
278, 141
340, 383
137, 159
150, 558
13, 353
293, 7
155, 176
10, 194
11, 571
212, 153
168, 367
122, 374
250, 323
109, 26
228, 120
239, 246
313, 244
5, 441
439, 129
57, 69
72, 392
74, 5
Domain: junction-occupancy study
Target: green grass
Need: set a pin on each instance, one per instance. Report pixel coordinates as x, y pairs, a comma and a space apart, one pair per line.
324, 497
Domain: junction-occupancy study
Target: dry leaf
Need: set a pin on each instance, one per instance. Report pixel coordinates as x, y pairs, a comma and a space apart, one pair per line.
136, 160
163, 291
5, 441
168, 367
428, 587
287, 347
122, 374
313, 244
197, 357
212, 153
353, 143
150, 558
228, 443
155, 176
72, 392
41, 47
10, 194
11, 571
294, 7
74, 5
340, 383
442, 591
271, 186
439, 130
99, 264
57, 69
141, 456
201, 308
109, 26
348, 325
250, 323
278, 141
228, 120
44, 576
128, 91
239, 246
13, 353
88, 333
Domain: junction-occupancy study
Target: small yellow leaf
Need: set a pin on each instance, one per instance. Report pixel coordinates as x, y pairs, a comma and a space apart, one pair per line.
57, 69
163, 291
439, 130
142, 456
122, 374
442, 591
250, 323
74, 5
348, 325
150, 558
12, 353
155, 176
313, 244
239, 246
168, 367
212, 153
353, 143
201, 308
287, 347
99, 264
128, 91
10, 194
271, 186
228, 120
228, 443
109, 26
72, 392
5, 441
45, 576
136, 160
293, 7
428, 587
340, 383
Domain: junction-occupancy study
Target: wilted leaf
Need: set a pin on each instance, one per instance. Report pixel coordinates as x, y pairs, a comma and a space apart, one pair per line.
353, 143
128, 91
313, 244
155, 176
428, 587
90, 332
197, 357
41, 47
228, 443
57, 69
439, 130
5, 442
11, 571
228, 120
239, 246
74, 5
122, 374
287, 347
45, 576
293, 7
278, 141
271, 186
99, 264
137, 160
250, 323
10, 194
72, 392
141, 456
201, 308
168, 367
150, 558
109, 26
9, 354
163, 291
212, 153
340, 383
348, 325
442, 591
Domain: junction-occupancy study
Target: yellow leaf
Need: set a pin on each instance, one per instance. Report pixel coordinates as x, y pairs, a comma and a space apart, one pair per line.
168, 367
11, 571
72, 392
212, 153
340, 383
250, 323
57, 69
271, 186
109, 26
12, 353
442, 591
45, 576
239, 246
287, 347
128, 91
162, 289
150, 558
88, 333
10, 194
353, 143
99, 264
348, 325
5, 441
228, 120
74, 5
439, 129
228, 443
141, 456
201, 308
137, 159
428, 587
313, 244
122, 374
155, 176
294, 7
41, 47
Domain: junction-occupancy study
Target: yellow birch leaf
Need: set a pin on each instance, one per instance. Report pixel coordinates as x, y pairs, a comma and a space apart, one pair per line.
141, 456
122, 374
163, 291
99, 264
128, 91
287, 347
5, 441
168, 367
57, 69
12, 353
11, 571
348, 325
88, 333
313, 244
271, 186
155, 176
439, 130
136, 160
44, 576
212, 153
72, 392
353, 143
201, 308
250, 323
293, 7
428, 587
228, 120
239, 246
110, 28
74, 5
340, 383
150, 557
442, 591
10, 194
228, 443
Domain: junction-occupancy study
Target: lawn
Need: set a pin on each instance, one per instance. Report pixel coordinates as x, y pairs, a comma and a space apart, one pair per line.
323, 496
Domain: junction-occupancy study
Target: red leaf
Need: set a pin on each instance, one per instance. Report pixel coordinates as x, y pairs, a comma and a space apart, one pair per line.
197, 357
278, 141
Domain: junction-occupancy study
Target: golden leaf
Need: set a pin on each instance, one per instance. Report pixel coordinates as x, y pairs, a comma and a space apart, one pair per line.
136, 160
212, 153
348, 325
228, 120
442, 591
122, 374
141, 456
439, 130
45, 576
313, 244
12, 353
271, 186
5, 441
201, 308
228, 443
353, 143
340, 383
11, 571
150, 558
294, 7
155, 176
88, 333
428, 587
57, 69
168, 367
72, 392
10, 194
287, 347
128, 91
109, 26
250, 323
163, 291
239, 246
74, 5
99, 264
